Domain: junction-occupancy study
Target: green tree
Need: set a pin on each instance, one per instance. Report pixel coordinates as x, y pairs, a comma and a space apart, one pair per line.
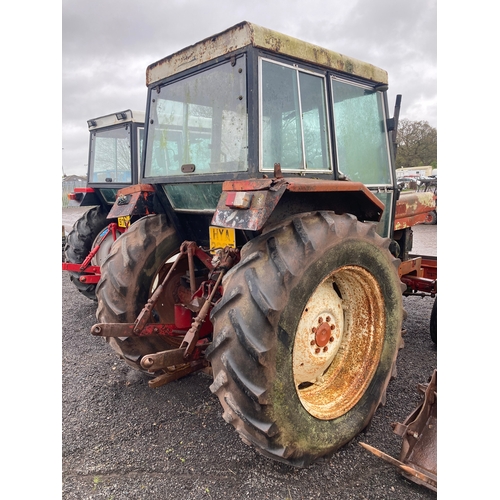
417, 144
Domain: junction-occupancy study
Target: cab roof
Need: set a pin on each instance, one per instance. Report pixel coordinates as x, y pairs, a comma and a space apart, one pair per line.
248, 34
125, 116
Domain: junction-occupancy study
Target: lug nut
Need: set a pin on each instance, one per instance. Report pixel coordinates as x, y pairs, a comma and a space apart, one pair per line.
314, 329
317, 350
332, 327
332, 339
325, 348
313, 342
328, 319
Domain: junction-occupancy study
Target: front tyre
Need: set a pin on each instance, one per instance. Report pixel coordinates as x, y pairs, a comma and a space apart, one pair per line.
306, 335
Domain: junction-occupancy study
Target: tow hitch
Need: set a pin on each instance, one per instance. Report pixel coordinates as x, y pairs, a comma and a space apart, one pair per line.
176, 363
93, 273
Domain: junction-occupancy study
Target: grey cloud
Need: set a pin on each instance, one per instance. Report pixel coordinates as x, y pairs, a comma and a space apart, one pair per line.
107, 45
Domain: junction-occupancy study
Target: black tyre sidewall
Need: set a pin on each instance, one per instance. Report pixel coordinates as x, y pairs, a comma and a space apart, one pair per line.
79, 244
433, 322
287, 409
127, 276
431, 218
159, 249
252, 351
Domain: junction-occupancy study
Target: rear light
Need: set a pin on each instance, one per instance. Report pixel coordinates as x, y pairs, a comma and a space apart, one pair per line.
75, 196
238, 199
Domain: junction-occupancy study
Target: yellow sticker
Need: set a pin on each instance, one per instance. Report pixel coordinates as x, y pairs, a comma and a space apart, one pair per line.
221, 237
124, 221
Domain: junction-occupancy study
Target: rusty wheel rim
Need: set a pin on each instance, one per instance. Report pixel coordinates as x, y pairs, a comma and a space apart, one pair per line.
338, 343
164, 308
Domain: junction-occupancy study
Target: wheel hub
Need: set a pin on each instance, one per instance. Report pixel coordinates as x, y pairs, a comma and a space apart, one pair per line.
318, 335
338, 342
324, 333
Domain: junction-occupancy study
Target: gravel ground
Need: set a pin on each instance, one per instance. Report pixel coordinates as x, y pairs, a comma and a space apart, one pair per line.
123, 441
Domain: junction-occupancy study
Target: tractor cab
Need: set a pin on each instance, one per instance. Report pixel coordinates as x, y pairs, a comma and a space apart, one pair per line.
232, 112
115, 150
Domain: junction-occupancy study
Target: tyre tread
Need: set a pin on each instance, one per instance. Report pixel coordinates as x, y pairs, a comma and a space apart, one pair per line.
246, 354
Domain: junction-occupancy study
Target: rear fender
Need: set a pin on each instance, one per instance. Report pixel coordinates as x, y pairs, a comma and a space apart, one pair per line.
133, 200
251, 204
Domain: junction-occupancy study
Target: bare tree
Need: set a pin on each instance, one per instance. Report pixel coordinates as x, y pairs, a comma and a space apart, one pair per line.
417, 144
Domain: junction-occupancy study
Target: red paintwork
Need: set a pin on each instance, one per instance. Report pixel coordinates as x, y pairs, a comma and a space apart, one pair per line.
91, 279
416, 283
136, 188
70, 266
302, 185
420, 274
412, 209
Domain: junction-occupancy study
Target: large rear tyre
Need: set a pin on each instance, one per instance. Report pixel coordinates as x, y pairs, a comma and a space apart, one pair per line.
306, 336
79, 244
136, 261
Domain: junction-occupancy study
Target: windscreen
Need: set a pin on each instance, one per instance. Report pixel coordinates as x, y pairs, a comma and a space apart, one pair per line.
199, 124
360, 134
110, 156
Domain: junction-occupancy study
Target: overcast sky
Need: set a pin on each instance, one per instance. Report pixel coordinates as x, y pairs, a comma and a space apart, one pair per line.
107, 45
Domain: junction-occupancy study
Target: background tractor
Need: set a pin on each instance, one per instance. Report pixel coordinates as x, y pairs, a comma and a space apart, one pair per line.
272, 254
115, 149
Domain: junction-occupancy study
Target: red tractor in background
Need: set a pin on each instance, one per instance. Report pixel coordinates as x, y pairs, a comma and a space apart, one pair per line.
115, 149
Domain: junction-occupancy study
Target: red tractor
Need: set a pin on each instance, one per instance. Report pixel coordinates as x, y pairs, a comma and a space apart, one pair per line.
114, 156
274, 256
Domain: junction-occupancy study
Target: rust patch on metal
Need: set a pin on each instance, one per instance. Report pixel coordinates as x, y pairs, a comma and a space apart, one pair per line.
133, 200
248, 34
411, 266
419, 274
429, 267
136, 189
418, 457
332, 367
304, 185
412, 208
262, 204
268, 192
177, 372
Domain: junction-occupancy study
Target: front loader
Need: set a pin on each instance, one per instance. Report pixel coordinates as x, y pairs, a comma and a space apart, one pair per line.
272, 257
